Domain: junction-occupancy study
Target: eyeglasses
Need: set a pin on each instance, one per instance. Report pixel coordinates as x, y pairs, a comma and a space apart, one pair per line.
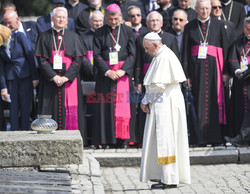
181, 20
133, 15
215, 7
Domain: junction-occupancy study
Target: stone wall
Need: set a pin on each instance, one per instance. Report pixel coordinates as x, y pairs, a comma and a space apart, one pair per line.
27, 148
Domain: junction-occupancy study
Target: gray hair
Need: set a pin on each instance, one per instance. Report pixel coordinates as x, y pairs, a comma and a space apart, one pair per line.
153, 12
181, 10
96, 12
198, 1
153, 41
133, 7
59, 9
8, 4
247, 20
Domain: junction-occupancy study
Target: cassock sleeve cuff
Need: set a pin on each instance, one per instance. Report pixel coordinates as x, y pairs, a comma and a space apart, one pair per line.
236, 71
144, 101
106, 74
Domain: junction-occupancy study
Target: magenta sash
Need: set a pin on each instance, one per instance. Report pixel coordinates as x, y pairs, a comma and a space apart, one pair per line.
248, 59
145, 68
122, 106
90, 56
70, 97
218, 54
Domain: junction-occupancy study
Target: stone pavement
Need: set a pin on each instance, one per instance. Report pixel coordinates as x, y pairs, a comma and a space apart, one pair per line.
217, 179
213, 170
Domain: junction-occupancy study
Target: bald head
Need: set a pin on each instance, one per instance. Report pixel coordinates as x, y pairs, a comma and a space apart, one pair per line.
11, 20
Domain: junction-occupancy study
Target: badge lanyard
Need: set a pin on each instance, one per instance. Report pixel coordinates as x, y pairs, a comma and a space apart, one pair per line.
102, 10
230, 13
203, 47
57, 59
117, 46
113, 55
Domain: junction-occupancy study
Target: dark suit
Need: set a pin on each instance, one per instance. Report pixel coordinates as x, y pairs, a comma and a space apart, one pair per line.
237, 16
45, 23
32, 30
76, 10
16, 74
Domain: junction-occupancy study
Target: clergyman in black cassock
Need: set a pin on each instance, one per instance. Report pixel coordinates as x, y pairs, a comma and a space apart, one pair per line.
240, 94
234, 11
204, 53
115, 119
60, 93
75, 8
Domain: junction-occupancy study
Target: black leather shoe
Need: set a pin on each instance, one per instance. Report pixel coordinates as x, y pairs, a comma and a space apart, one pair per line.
236, 141
161, 185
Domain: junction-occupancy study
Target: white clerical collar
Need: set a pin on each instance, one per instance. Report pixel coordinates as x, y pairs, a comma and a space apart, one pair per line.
57, 30
73, 4
179, 33
21, 29
114, 27
158, 31
227, 3
166, 8
136, 28
91, 29
204, 21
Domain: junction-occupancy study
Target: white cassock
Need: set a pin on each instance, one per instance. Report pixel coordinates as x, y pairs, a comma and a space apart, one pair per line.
165, 152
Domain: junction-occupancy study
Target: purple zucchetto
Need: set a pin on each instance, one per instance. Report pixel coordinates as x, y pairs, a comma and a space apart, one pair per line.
113, 8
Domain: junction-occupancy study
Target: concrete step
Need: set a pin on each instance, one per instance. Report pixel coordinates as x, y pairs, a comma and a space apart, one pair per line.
201, 155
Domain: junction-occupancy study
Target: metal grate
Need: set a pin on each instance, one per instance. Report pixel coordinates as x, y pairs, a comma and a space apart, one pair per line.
34, 182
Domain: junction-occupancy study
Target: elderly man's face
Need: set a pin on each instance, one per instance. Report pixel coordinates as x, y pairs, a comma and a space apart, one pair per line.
216, 9
203, 10
113, 20
184, 4
135, 16
247, 30
154, 23
94, 3
149, 47
60, 19
96, 21
179, 21
11, 22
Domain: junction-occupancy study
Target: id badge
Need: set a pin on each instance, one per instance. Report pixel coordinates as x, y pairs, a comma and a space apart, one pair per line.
202, 52
113, 58
57, 62
244, 63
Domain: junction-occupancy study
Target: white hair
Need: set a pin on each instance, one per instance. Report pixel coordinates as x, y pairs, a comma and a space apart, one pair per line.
154, 12
59, 9
96, 12
198, 2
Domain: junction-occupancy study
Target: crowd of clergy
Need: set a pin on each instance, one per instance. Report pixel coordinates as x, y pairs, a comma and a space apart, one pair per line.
98, 85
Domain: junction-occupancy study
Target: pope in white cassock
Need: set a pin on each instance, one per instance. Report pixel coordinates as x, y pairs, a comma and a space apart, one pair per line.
165, 151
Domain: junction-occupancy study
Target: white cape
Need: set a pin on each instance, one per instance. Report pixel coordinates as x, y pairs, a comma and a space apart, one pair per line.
165, 152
